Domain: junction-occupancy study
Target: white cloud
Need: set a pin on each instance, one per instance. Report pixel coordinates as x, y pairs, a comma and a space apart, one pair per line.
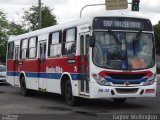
71, 10
66, 10
17, 2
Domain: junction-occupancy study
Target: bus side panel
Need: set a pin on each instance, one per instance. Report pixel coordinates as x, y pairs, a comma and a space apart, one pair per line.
55, 67
10, 72
30, 67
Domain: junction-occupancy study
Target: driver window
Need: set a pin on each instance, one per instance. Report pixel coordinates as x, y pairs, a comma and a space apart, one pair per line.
147, 44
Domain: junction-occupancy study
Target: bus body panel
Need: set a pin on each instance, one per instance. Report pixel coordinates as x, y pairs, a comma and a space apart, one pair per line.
10, 75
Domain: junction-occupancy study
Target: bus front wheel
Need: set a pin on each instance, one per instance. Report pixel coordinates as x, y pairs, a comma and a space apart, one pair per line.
70, 99
24, 90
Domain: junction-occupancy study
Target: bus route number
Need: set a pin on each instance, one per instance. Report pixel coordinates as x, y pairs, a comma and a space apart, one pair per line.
107, 23
103, 90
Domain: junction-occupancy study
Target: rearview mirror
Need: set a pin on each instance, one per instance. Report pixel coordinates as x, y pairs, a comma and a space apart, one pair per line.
91, 41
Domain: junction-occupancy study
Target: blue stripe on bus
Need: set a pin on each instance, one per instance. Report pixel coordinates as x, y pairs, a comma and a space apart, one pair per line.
44, 75
13, 73
75, 76
123, 81
52, 75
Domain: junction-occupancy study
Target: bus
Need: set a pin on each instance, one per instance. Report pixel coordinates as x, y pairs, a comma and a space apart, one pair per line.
97, 57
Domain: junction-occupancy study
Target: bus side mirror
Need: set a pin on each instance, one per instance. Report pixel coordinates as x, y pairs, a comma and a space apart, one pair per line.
91, 41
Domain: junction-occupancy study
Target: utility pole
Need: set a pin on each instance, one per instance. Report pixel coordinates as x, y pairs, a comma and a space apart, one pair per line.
40, 15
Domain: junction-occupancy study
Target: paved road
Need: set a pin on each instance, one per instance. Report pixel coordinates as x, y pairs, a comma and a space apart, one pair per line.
12, 102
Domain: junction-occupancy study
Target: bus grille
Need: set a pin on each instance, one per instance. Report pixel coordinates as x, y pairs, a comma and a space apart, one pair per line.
127, 76
131, 83
127, 91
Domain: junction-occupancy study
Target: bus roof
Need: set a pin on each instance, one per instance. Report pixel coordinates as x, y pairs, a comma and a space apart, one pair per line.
52, 28
81, 21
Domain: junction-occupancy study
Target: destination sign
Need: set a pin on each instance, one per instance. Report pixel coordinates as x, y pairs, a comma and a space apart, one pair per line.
122, 23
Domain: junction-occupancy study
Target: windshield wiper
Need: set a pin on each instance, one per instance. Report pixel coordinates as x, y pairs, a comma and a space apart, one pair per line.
114, 35
138, 35
135, 41
134, 52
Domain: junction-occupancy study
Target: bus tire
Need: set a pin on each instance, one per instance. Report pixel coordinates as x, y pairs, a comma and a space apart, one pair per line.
69, 98
120, 100
24, 90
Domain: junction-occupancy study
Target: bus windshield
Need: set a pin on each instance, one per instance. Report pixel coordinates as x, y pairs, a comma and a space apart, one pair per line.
123, 50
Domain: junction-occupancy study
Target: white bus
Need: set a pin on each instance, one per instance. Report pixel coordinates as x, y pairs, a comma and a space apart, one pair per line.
96, 58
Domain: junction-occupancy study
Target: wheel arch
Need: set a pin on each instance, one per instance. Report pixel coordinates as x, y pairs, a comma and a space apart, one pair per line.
64, 77
22, 74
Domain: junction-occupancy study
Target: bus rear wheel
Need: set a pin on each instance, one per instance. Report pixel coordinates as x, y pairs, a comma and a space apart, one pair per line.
70, 99
24, 90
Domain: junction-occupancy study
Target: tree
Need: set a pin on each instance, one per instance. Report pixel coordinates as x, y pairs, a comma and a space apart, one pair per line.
3, 35
31, 17
3, 25
7, 28
47, 18
16, 29
157, 37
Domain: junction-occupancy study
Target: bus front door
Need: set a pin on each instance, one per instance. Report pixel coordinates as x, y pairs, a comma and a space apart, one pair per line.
16, 65
42, 65
84, 52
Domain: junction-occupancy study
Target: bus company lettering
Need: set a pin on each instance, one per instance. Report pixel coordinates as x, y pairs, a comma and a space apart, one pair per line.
56, 69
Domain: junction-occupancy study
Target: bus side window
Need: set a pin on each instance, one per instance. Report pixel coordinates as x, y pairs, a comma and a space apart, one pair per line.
87, 46
54, 46
33, 47
10, 50
24, 49
69, 38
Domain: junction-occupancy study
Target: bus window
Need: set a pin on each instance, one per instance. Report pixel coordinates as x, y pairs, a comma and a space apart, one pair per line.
82, 47
16, 52
54, 44
10, 50
24, 47
32, 47
42, 52
87, 46
69, 42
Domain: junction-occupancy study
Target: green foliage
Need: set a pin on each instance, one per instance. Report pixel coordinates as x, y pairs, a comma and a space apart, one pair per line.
3, 35
47, 18
16, 29
3, 26
3, 46
6, 29
31, 17
157, 37
31, 20
157, 40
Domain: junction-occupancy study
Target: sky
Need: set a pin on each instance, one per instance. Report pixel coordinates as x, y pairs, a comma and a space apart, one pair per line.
67, 10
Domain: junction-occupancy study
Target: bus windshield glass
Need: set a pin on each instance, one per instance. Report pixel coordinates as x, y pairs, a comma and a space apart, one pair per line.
123, 50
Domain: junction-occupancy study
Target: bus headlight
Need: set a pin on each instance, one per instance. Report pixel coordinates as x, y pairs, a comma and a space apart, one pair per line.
100, 80
150, 80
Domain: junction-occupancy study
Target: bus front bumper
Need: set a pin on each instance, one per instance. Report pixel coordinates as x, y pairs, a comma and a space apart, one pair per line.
97, 91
